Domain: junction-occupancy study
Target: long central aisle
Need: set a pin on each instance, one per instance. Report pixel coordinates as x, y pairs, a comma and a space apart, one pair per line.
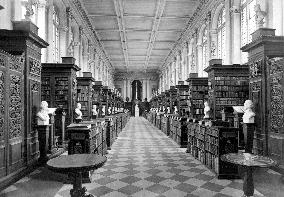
145, 162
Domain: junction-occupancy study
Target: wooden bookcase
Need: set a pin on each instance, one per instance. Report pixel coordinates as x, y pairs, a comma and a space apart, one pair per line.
173, 98
84, 94
227, 86
198, 93
106, 99
59, 87
182, 99
20, 81
97, 97
207, 144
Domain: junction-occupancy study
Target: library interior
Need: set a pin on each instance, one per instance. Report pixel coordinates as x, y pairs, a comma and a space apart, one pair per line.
142, 98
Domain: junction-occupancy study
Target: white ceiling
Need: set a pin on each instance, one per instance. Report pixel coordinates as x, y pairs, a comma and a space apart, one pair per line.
138, 35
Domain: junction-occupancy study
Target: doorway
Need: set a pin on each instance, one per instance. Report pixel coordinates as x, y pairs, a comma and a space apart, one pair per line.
136, 90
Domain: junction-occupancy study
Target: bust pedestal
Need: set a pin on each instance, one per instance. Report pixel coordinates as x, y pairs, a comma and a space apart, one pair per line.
248, 130
43, 136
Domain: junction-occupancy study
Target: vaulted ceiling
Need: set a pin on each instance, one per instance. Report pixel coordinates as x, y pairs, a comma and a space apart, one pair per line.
138, 35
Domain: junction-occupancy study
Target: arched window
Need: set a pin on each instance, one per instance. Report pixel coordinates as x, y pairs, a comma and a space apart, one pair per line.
204, 49
221, 32
248, 23
55, 20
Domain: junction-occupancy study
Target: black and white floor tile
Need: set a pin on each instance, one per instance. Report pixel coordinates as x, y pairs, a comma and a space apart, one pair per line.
143, 162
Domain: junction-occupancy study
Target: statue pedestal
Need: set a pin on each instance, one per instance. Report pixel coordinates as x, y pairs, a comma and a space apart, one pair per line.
248, 130
136, 111
43, 137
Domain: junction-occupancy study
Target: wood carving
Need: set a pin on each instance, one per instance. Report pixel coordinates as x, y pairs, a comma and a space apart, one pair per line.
276, 94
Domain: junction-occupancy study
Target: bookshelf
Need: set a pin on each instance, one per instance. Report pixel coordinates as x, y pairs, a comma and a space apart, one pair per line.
59, 88
198, 93
228, 85
97, 97
173, 98
207, 144
84, 94
182, 99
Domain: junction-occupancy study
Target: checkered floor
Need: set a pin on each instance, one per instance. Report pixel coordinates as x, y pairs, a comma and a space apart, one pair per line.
143, 162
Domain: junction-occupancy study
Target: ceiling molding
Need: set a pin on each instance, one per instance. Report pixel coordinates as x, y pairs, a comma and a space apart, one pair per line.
158, 15
121, 26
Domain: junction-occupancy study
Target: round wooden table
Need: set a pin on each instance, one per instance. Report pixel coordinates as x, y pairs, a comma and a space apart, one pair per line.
76, 164
249, 161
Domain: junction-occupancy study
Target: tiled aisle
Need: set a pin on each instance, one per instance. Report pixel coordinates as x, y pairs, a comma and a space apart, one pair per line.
143, 162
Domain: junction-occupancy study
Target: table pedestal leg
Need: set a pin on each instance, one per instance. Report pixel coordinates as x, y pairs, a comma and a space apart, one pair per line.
78, 190
248, 186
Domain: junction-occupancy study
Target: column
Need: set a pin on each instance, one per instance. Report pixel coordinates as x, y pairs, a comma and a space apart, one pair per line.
96, 66
81, 48
199, 60
166, 77
100, 69
178, 70
50, 33
173, 67
278, 21
189, 58
17, 11
85, 63
149, 92
213, 51
144, 89
208, 26
236, 34
77, 56
107, 82
185, 55
228, 42
128, 89
42, 18
195, 62
68, 26
124, 89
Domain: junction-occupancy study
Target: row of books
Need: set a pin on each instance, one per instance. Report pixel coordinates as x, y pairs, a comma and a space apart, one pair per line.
236, 94
231, 88
232, 78
236, 82
230, 101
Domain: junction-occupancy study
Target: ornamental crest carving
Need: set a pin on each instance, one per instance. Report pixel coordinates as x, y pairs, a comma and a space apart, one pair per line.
256, 86
276, 93
255, 69
35, 66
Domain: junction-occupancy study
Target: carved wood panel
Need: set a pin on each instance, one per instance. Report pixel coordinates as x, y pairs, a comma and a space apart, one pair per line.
276, 66
11, 112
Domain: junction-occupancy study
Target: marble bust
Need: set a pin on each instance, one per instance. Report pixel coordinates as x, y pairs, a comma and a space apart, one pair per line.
42, 115
248, 116
175, 110
109, 110
94, 110
78, 114
206, 110
104, 110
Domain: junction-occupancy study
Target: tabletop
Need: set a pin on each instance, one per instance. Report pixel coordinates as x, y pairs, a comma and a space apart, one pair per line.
247, 159
76, 162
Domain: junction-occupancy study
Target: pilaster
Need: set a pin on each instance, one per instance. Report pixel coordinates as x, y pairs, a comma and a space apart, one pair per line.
236, 13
